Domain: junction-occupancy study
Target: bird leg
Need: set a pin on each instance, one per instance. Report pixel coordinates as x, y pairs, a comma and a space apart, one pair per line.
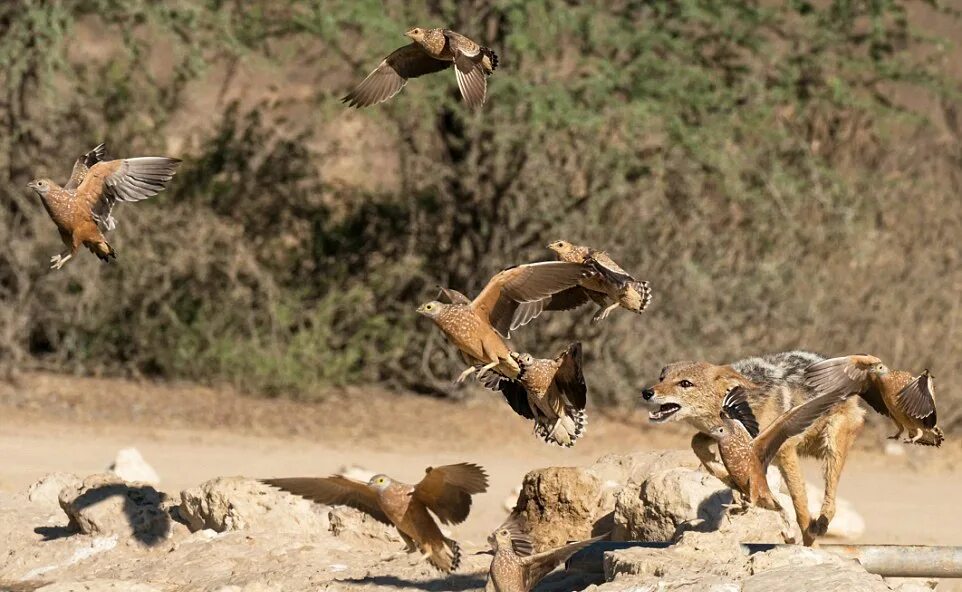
57, 261
913, 439
739, 505
464, 375
487, 367
603, 313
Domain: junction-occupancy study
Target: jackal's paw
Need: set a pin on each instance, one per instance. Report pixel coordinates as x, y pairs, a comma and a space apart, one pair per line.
818, 527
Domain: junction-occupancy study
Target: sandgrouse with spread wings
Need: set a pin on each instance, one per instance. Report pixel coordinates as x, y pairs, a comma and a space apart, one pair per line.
610, 287
478, 327
551, 392
747, 453
83, 208
909, 401
432, 50
515, 566
446, 491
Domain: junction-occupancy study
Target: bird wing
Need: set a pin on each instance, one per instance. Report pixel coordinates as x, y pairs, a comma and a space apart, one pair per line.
917, 399
531, 282
129, 179
569, 378
392, 74
97, 154
539, 565
335, 490
847, 375
564, 300
521, 542
735, 406
608, 269
791, 423
472, 81
453, 296
447, 490
513, 391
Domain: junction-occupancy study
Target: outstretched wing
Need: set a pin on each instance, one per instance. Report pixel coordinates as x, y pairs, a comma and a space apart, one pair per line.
564, 300
472, 81
531, 282
610, 270
735, 406
82, 165
847, 375
335, 490
447, 490
793, 422
917, 399
392, 74
540, 565
513, 391
130, 179
521, 542
453, 296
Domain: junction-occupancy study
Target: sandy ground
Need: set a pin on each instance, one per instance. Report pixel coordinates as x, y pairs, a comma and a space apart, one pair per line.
189, 434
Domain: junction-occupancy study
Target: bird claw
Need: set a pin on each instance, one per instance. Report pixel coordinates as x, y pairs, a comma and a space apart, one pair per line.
464, 375
57, 261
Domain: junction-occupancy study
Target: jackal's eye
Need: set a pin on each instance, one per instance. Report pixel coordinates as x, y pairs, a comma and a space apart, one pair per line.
685, 383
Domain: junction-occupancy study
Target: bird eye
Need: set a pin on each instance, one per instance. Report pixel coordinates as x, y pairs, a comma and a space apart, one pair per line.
685, 384
41, 183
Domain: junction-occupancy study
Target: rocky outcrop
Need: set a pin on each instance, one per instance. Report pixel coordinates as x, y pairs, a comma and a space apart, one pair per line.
105, 504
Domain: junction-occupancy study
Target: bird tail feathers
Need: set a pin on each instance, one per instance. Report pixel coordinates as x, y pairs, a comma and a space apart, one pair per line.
490, 60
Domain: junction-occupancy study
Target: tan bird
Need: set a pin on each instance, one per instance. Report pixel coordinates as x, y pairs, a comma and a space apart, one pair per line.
433, 50
908, 400
515, 567
82, 209
747, 453
446, 491
552, 392
478, 327
610, 288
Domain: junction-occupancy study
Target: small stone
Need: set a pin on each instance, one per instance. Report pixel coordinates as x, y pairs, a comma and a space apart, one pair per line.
129, 465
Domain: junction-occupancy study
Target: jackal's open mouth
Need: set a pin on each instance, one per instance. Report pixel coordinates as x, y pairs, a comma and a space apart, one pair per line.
664, 412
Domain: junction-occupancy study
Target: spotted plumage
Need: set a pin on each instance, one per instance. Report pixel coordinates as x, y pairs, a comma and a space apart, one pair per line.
478, 327
515, 567
552, 392
446, 491
610, 287
432, 50
909, 401
747, 453
83, 208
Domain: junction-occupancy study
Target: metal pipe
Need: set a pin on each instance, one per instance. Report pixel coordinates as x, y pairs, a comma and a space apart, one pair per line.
902, 561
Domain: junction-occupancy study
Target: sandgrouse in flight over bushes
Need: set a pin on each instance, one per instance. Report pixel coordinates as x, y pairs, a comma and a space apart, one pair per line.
478, 327
433, 50
82, 208
446, 491
610, 288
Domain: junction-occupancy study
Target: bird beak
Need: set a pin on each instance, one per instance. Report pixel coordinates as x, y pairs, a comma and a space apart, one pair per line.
421, 310
31, 185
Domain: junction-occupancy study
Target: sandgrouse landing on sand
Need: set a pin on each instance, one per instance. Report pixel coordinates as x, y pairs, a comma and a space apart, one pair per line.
552, 392
909, 401
478, 327
446, 491
82, 208
515, 567
433, 50
747, 453
610, 287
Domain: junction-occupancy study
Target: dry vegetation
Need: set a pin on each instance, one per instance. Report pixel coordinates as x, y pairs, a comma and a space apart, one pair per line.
786, 177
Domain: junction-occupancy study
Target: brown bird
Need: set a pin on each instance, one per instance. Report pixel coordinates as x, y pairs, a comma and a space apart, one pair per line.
478, 327
446, 491
433, 50
908, 400
515, 567
747, 454
552, 392
610, 288
82, 208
